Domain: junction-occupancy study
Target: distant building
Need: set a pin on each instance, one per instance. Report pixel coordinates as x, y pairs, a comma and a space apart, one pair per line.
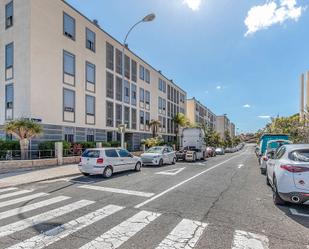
223, 125
232, 130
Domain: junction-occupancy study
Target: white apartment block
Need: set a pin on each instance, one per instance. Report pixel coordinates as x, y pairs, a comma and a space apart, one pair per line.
223, 125
61, 69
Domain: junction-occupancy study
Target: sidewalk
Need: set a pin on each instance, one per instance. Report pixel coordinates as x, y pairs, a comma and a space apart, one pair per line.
40, 175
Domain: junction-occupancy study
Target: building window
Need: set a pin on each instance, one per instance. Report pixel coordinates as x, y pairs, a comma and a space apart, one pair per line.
134, 71
142, 118
127, 66
127, 116
90, 40
90, 105
9, 61
9, 101
168, 92
133, 119
68, 26
133, 94
9, 15
118, 61
68, 100
141, 72
109, 85
90, 73
69, 134
164, 105
118, 89
109, 114
147, 120
90, 135
109, 56
126, 89
141, 95
147, 97
147, 75
69, 63
118, 115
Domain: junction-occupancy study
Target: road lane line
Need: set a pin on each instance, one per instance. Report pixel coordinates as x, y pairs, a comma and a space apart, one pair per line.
22, 199
51, 236
183, 182
7, 189
15, 193
35, 220
171, 172
24, 209
185, 235
115, 237
245, 240
118, 191
240, 166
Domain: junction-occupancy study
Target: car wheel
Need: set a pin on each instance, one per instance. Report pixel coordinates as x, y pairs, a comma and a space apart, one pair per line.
276, 197
267, 181
174, 160
160, 163
194, 157
86, 174
108, 172
138, 166
263, 171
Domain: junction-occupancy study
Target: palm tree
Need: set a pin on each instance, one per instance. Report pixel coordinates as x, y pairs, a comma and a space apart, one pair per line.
154, 124
23, 130
180, 120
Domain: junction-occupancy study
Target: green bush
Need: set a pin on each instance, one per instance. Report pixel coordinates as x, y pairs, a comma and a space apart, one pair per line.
86, 145
50, 145
9, 145
150, 142
104, 144
115, 144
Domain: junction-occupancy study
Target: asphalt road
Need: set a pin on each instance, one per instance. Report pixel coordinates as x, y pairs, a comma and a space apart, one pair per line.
220, 203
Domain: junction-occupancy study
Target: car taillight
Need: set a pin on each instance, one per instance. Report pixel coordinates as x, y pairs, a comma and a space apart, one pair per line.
100, 160
294, 168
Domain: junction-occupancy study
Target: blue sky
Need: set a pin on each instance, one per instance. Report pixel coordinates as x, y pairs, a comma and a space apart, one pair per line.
202, 45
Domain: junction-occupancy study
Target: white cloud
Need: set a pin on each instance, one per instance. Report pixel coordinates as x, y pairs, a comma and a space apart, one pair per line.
264, 117
219, 87
272, 12
193, 4
246, 106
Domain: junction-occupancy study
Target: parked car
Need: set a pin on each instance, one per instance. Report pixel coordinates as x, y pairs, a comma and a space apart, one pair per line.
272, 145
288, 173
106, 161
159, 155
220, 151
210, 151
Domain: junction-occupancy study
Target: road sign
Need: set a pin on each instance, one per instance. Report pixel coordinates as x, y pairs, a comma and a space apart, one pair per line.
122, 128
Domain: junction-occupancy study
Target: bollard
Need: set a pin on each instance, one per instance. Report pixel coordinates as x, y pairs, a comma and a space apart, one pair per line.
59, 152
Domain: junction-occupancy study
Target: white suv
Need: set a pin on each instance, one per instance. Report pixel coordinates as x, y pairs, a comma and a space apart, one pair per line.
106, 161
288, 173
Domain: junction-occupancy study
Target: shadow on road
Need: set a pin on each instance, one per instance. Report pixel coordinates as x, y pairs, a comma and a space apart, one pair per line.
301, 216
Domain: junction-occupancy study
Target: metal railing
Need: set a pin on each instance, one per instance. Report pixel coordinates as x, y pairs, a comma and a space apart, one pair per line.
8, 155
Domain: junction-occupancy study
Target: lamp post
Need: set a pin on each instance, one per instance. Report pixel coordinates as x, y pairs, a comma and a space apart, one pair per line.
147, 18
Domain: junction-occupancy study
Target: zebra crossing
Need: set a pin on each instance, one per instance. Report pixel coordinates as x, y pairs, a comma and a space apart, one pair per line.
185, 234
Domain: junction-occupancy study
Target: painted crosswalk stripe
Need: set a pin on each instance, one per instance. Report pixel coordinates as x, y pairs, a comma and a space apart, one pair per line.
184, 236
33, 206
21, 192
32, 221
22, 199
60, 232
7, 189
246, 240
115, 237
118, 191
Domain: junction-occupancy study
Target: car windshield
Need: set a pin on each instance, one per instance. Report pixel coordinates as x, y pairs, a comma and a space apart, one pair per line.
155, 150
300, 156
91, 154
276, 144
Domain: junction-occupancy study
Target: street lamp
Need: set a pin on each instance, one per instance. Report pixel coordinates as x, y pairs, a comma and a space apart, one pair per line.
148, 18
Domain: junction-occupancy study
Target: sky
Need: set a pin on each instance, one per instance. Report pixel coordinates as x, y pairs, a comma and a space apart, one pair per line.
240, 58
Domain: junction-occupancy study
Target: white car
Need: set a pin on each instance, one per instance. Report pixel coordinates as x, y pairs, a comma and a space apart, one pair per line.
106, 161
288, 173
159, 155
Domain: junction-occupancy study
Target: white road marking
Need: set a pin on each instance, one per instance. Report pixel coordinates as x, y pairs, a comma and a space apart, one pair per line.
60, 232
295, 212
240, 166
7, 189
171, 172
245, 240
33, 206
115, 237
185, 235
21, 192
183, 182
22, 199
32, 221
118, 191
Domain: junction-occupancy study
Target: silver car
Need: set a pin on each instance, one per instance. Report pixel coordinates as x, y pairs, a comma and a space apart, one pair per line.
159, 155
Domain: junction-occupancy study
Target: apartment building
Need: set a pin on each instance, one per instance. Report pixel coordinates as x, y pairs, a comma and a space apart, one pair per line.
64, 71
223, 125
232, 130
198, 113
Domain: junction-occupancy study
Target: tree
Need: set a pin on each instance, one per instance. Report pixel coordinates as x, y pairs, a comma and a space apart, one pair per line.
23, 130
180, 120
212, 138
227, 139
154, 124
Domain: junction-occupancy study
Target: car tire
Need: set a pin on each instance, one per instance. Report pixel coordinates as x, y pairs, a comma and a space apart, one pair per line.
160, 163
174, 160
138, 167
267, 181
194, 157
108, 172
263, 171
276, 197
86, 174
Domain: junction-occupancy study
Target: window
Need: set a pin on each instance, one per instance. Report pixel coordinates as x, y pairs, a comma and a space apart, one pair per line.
163, 104
160, 85
127, 116
109, 56
127, 92
147, 119
109, 85
68, 63
118, 89
147, 97
91, 154
124, 153
141, 72
90, 40
118, 115
142, 118
147, 75
9, 96
90, 105
90, 135
90, 73
164, 122
164, 86
9, 55
118, 61
109, 114
168, 92
9, 15
141, 95
69, 134
134, 71
280, 152
160, 103
68, 100
127, 66
111, 153
133, 118
68, 26
133, 94
109, 136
